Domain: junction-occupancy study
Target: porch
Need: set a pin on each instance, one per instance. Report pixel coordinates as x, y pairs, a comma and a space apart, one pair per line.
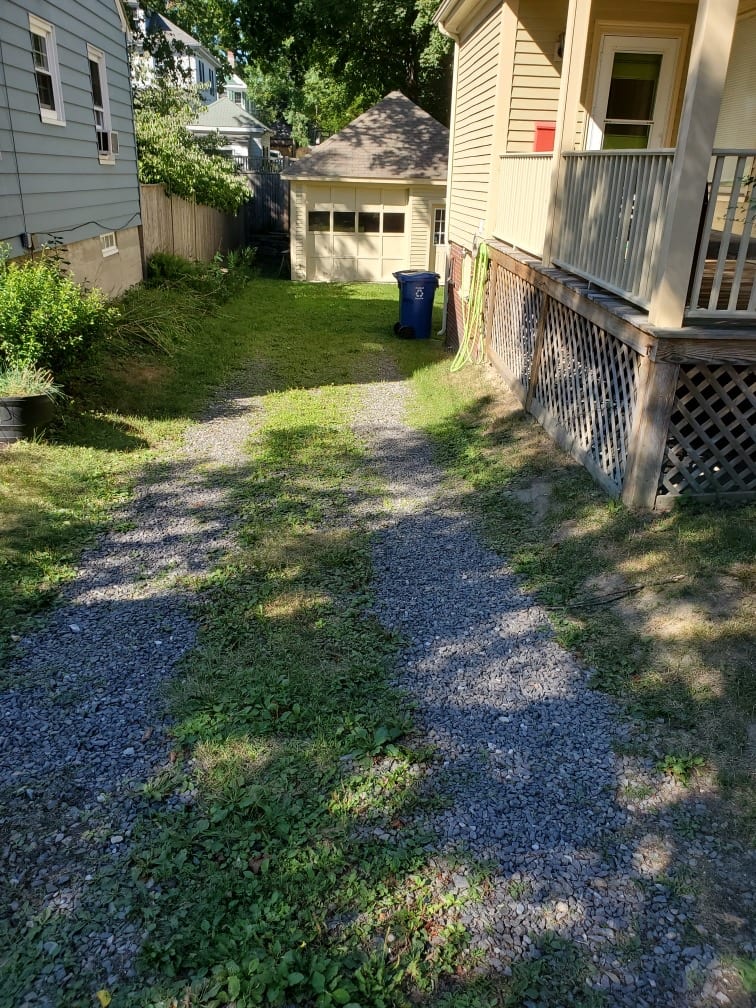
621, 297
611, 224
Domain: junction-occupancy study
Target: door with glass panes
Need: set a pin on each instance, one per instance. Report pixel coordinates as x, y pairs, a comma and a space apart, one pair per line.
632, 104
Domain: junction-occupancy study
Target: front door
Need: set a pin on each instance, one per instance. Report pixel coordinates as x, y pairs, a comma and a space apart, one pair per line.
632, 102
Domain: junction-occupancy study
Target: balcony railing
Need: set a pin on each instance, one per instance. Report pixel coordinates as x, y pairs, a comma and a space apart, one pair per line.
612, 220
524, 181
610, 231
725, 268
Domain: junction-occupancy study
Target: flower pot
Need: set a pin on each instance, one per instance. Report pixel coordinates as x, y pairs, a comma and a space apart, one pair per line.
21, 416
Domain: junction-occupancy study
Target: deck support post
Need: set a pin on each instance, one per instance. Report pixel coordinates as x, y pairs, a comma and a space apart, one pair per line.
657, 383
573, 64
707, 70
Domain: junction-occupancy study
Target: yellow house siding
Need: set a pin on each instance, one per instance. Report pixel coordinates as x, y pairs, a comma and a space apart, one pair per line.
537, 71
474, 127
298, 225
421, 222
737, 118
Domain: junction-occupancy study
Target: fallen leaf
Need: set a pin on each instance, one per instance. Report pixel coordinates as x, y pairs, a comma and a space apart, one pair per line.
172, 756
104, 998
147, 734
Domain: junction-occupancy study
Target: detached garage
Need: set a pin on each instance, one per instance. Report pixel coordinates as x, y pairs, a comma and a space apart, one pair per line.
371, 199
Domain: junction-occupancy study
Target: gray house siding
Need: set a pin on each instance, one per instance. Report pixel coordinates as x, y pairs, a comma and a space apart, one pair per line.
53, 183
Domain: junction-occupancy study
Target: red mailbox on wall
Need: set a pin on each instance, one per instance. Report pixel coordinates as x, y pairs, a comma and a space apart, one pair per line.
544, 136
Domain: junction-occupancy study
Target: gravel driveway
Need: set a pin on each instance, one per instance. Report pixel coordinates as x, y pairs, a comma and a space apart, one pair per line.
524, 748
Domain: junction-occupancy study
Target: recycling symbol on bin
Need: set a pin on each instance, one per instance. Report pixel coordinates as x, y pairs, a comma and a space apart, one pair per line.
419, 293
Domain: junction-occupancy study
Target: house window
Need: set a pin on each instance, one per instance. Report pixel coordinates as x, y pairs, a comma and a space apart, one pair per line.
46, 71
343, 221
319, 220
201, 71
393, 223
108, 243
212, 80
100, 104
439, 226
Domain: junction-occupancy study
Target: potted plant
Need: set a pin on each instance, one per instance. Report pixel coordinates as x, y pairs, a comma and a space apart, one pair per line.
26, 402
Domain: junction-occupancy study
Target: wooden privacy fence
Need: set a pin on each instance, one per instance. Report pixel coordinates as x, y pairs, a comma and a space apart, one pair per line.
171, 224
651, 415
268, 210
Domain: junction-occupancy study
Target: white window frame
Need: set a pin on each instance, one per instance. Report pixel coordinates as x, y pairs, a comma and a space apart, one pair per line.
439, 225
97, 56
46, 31
108, 244
668, 46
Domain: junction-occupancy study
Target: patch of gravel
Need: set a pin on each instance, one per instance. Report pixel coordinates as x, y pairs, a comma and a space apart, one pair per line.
85, 726
524, 752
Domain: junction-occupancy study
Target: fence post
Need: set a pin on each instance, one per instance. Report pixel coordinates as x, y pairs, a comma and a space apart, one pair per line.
657, 383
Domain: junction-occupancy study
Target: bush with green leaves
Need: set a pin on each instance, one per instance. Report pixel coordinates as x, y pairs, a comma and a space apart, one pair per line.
47, 320
188, 166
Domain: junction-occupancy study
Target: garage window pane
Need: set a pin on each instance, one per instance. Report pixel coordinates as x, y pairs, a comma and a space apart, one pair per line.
319, 220
393, 223
343, 220
369, 223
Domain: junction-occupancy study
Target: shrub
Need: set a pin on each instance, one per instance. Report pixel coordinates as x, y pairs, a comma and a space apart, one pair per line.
46, 319
188, 166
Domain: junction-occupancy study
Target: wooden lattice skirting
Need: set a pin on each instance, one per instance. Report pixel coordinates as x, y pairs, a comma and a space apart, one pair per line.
578, 379
711, 439
650, 430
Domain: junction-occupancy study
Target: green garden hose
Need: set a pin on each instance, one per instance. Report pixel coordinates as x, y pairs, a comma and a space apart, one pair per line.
471, 345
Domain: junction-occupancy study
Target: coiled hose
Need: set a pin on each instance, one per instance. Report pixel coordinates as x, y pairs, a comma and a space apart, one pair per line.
471, 345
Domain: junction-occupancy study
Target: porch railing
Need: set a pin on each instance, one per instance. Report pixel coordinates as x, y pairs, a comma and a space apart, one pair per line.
612, 219
524, 181
725, 270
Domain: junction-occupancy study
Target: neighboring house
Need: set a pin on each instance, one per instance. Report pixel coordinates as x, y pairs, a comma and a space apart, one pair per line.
605, 152
370, 199
193, 62
240, 134
68, 168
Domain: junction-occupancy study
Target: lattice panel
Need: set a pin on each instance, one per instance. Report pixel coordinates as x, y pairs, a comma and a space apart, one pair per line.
587, 383
517, 305
711, 441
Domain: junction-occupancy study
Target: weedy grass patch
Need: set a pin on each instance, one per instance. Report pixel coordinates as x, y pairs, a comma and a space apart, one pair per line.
282, 866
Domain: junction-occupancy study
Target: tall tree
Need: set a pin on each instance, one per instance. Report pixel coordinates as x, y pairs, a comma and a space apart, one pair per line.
369, 47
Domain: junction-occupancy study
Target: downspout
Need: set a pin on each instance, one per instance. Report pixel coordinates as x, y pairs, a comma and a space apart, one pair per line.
455, 38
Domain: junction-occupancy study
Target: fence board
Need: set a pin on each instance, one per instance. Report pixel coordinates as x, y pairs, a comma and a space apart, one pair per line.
171, 224
268, 210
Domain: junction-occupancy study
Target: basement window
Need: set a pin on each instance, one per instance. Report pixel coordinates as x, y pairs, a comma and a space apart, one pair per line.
46, 71
108, 243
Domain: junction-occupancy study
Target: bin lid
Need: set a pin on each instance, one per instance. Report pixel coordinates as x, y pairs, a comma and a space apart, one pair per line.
416, 275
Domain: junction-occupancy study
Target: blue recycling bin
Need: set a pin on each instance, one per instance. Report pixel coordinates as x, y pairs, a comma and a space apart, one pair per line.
416, 292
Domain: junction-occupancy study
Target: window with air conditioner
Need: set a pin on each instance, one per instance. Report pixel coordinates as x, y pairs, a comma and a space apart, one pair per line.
106, 140
46, 71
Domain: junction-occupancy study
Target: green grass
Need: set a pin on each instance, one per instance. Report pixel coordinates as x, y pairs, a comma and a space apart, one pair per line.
130, 404
257, 870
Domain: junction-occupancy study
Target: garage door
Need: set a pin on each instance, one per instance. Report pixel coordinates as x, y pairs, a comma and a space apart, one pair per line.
356, 233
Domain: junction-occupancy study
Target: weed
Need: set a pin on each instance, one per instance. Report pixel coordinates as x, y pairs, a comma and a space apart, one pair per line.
680, 766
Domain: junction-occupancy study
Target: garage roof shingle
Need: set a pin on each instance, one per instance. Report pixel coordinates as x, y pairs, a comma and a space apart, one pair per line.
394, 139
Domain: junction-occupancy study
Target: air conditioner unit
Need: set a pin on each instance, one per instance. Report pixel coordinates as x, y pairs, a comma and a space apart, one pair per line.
113, 143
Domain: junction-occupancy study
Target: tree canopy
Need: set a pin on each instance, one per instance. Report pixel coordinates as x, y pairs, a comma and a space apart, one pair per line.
319, 63
187, 165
